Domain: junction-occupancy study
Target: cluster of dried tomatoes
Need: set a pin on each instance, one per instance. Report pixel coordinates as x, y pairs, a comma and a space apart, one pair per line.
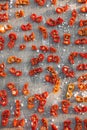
53, 76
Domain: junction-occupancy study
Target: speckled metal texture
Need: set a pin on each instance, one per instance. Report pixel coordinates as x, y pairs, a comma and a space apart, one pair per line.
37, 83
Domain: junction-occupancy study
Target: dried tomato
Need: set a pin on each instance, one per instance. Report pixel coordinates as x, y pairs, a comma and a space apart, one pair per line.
43, 128
5, 117
40, 2
54, 2
85, 124
82, 1
51, 22
45, 94
1, 43
73, 18
22, 2
79, 109
3, 98
44, 32
66, 40
44, 48
83, 9
52, 50
42, 102
40, 109
54, 110
82, 32
13, 36
18, 73
17, 113
13, 88
2, 39
21, 123
14, 92
12, 70
53, 58
40, 57
26, 27
69, 73
83, 55
4, 6
81, 41
25, 90
54, 33
4, 122
82, 67
4, 28
72, 56
35, 71
78, 123
19, 14
4, 17
11, 44
79, 99
62, 9
22, 46
34, 48
59, 21
31, 102
15, 122
31, 37
54, 127
82, 23
36, 18
34, 121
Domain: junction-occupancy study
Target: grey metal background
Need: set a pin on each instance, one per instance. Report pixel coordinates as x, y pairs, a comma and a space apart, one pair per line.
37, 83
